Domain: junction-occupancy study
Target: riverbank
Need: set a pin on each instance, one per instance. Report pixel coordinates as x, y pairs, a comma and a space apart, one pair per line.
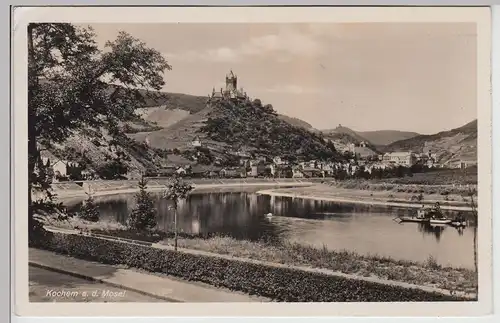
75, 192
428, 274
355, 196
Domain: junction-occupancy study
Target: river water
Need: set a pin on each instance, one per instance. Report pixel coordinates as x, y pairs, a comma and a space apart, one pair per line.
368, 230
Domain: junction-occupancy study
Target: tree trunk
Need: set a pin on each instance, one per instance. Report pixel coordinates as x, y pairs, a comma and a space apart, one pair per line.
175, 226
32, 147
476, 220
475, 260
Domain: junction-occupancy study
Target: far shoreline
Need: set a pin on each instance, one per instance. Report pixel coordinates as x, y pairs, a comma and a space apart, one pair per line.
67, 195
272, 192
260, 188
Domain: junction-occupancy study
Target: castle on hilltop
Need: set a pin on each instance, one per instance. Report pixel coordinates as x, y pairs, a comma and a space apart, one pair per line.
231, 91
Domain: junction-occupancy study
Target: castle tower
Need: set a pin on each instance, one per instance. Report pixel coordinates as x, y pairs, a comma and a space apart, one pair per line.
231, 82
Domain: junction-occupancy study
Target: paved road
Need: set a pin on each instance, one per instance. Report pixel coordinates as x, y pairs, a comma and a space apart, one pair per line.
49, 286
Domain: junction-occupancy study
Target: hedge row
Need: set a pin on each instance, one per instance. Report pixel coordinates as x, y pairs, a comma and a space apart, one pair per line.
279, 284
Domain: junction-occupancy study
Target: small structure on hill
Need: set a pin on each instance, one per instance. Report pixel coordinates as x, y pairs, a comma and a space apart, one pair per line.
196, 142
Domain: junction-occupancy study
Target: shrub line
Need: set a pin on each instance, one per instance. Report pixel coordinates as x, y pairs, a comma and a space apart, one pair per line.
278, 283
321, 271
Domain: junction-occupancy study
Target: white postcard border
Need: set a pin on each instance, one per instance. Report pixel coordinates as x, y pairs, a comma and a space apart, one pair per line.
481, 16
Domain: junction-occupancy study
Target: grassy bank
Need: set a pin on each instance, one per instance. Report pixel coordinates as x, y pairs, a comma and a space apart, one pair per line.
428, 274
443, 190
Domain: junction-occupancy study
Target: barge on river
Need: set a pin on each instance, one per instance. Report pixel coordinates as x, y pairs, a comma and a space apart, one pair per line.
434, 216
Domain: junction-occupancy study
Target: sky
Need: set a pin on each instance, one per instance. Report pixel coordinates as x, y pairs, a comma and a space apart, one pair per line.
366, 76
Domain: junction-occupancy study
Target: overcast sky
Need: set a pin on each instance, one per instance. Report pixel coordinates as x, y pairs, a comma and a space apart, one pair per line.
366, 76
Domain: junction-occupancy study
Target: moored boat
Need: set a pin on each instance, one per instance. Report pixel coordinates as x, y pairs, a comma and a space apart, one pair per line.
459, 221
413, 219
458, 224
440, 221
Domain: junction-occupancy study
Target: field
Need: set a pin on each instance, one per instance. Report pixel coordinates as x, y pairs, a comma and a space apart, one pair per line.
438, 177
441, 182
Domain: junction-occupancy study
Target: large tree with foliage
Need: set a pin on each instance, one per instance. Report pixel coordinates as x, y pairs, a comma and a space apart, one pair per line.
72, 84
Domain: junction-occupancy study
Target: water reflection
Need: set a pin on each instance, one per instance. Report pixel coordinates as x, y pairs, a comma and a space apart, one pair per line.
360, 228
431, 229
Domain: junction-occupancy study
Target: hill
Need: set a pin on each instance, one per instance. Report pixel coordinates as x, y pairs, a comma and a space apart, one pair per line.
249, 125
455, 144
386, 137
342, 136
341, 132
295, 121
164, 109
240, 124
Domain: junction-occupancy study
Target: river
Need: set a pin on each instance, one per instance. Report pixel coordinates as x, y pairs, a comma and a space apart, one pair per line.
368, 230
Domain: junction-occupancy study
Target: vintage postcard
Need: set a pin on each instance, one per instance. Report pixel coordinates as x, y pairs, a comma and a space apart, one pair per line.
310, 161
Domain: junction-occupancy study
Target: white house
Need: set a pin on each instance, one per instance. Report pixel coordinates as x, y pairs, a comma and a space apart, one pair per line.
60, 168
279, 161
296, 173
196, 142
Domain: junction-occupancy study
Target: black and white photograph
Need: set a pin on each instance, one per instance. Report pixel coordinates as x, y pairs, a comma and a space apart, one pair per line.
301, 161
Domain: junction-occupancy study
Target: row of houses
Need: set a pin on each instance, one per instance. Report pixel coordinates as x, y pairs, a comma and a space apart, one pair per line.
362, 152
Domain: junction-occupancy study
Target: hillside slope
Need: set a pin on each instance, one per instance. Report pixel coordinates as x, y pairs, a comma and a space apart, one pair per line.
241, 125
455, 144
256, 127
93, 149
342, 136
342, 131
386, 137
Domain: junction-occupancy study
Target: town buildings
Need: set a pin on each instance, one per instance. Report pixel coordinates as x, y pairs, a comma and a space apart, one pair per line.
403, 158
361, 151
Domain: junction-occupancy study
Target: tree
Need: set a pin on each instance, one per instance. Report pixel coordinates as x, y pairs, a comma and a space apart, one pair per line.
176, 191
89, 210
473, 205
69, 86
143, 216
114, 169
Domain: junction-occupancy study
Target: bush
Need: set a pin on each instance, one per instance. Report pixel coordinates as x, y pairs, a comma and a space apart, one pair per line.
89, 210
114, 169
278, 283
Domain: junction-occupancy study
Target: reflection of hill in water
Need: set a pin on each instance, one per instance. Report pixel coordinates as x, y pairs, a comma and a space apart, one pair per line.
241, 215
360, 228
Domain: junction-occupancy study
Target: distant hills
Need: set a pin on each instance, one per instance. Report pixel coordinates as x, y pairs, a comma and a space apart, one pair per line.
343, 136
386, 137
377, 138
341, 131
454, 144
